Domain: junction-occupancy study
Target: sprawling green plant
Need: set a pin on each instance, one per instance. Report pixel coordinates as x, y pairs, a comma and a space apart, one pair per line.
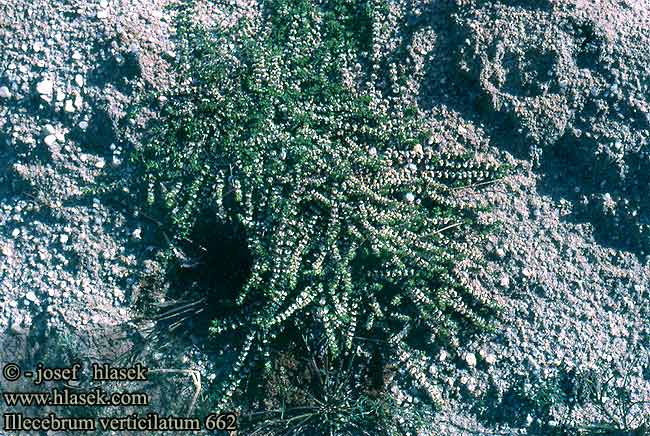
284, 132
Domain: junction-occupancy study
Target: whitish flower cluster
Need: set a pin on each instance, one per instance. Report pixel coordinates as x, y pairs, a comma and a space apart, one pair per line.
346, 215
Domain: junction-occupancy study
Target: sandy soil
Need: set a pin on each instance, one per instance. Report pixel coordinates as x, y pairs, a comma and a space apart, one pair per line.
557, 88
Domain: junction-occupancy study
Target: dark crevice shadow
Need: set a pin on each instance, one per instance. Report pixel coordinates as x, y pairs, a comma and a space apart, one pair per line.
119, 69
567, 174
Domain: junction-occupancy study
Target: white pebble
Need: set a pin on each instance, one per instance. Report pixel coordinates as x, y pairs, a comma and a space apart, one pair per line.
490, 359
78, 101
116, 162
76, 56
83, 125
31, 296
100, 163
137, 234
79, 80
45, 87
7, 251
103, 14
63, 239
48, 129
50, 140
4, 92
410, 197
69, 107
37, 46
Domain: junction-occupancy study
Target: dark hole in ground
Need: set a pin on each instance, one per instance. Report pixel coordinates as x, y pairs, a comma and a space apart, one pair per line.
119, 69
207, 283
526, 74
100, 133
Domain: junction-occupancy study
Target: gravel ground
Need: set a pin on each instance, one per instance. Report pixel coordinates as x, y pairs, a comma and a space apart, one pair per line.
557, 88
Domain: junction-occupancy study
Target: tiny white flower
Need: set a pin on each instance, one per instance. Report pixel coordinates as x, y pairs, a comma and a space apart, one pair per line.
470, 359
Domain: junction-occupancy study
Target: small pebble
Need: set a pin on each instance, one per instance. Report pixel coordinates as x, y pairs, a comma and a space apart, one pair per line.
4, 92
16, 329
83, 125
7, 251
410, 197
490, 359
31, 296
101, 163
45, 87
79, 80
63, 239
76, 56
137, 234
69, 107
103, 14
50, 140
48, 129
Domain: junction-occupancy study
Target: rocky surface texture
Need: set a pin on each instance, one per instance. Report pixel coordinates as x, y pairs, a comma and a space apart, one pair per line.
557, 88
